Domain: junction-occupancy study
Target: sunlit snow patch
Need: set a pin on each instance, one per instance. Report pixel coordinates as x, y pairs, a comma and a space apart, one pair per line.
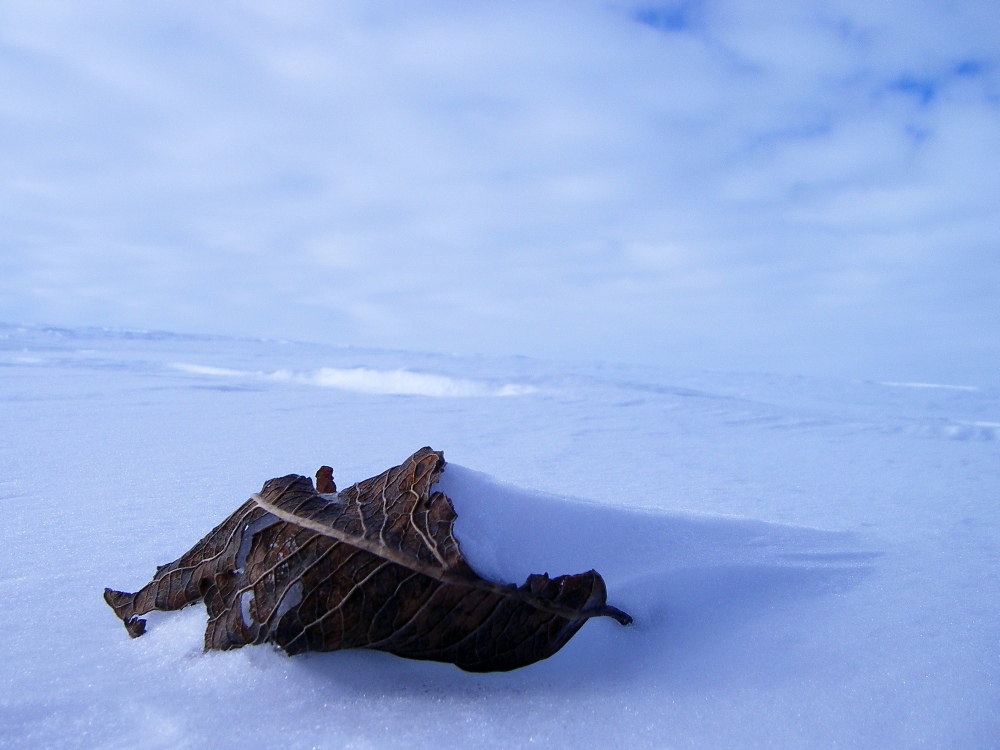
943, 386
219, 371
364, 380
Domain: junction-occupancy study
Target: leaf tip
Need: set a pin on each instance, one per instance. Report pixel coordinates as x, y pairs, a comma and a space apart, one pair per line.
324, 481
135, 626
119, 601
622, 618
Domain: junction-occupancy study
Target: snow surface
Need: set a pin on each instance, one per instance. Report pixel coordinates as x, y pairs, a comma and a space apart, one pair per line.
810, 562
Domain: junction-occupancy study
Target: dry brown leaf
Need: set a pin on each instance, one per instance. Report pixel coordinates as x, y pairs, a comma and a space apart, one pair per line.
375, 566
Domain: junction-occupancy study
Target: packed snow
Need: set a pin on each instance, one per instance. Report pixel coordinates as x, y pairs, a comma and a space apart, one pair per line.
810, 562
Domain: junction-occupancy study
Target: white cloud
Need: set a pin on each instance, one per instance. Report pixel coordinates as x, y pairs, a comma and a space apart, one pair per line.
643, 181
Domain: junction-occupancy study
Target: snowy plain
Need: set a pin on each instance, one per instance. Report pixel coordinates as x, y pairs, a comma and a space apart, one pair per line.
810, 562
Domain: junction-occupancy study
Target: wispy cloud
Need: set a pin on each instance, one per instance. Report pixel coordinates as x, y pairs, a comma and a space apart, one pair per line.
777, 185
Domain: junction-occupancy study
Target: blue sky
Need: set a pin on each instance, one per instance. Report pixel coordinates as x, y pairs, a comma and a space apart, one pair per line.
784, 186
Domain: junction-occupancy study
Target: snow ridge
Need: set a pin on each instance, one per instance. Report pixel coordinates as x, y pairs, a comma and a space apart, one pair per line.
398, 382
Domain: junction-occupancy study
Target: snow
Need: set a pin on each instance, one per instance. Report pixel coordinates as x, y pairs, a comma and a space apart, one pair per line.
810, 562
365, 380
